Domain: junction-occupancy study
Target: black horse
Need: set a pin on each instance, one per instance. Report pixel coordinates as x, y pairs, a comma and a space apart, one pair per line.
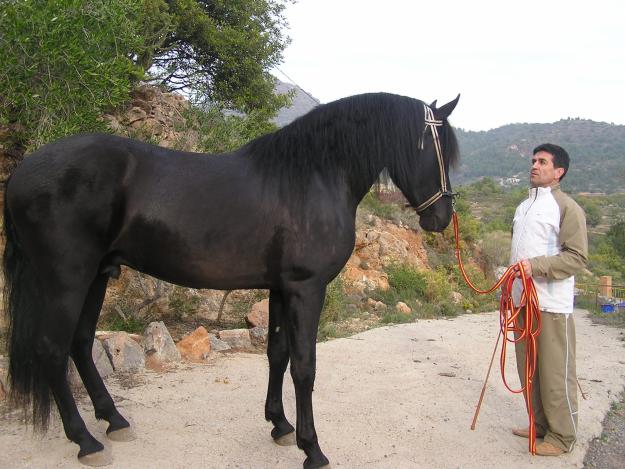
278, 214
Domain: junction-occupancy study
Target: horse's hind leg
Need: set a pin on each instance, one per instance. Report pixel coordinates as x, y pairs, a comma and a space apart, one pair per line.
119, 428
278, 355
57, 327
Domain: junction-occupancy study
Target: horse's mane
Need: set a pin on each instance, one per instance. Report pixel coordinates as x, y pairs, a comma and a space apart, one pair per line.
353, 137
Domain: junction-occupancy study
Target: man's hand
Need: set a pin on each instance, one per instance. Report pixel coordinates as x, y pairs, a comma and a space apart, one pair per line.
527, 267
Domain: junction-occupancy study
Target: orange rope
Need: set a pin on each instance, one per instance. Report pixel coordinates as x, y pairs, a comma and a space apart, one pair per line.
523, 323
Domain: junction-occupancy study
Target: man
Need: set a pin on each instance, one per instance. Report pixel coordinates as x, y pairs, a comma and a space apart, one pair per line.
549, 238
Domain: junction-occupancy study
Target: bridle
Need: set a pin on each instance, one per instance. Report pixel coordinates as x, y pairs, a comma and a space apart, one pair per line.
432, 124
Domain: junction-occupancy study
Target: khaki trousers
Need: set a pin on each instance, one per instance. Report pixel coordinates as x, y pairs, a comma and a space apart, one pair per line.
554, 388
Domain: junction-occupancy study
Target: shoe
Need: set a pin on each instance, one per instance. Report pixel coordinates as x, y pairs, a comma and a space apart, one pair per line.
547, 449
525, 433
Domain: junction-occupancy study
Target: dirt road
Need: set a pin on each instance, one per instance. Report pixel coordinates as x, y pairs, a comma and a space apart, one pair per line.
393, 397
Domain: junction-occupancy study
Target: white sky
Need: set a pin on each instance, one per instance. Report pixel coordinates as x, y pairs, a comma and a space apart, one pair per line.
521, 61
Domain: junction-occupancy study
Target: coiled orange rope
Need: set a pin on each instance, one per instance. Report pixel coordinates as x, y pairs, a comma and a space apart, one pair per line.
522, 322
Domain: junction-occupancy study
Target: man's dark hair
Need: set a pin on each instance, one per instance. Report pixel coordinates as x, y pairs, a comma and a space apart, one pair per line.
560, 156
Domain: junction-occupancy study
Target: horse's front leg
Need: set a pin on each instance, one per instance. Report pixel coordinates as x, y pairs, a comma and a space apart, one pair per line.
278, 355
304, 301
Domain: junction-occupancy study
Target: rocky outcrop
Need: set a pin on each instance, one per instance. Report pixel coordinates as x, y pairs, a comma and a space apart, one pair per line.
380, 243
155, 115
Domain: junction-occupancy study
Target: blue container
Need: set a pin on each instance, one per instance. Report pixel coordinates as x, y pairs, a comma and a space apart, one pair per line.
607, 308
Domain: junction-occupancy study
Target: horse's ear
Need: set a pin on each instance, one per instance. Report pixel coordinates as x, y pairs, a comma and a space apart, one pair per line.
433, 105
445, 110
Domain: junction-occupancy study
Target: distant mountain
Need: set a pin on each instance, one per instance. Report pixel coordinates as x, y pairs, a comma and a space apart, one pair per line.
302, 103
597, 151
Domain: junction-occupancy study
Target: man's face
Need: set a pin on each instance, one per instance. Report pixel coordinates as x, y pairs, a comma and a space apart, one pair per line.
543, 173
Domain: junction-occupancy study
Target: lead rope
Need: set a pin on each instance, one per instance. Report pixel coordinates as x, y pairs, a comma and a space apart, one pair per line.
510, 322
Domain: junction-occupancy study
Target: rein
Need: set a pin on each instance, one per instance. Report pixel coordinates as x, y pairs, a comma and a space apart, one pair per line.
524, 323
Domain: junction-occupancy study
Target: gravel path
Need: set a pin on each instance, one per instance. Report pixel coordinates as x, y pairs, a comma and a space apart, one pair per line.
392, 397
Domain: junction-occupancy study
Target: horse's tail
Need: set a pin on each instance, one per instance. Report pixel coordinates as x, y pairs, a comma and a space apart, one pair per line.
23, 308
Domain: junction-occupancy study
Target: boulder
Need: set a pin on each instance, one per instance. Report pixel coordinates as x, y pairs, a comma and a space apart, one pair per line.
218, 345
124, 352
375, 305
196, 346
456, 297
158, 345
237, 338
103, 335
101, 359
403, 308
259, 316
258, 335
135, 114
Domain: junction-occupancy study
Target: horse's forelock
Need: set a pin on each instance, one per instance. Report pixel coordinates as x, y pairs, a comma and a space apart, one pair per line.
452, 149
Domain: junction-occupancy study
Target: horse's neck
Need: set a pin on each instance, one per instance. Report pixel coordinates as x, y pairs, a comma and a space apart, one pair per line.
359, 186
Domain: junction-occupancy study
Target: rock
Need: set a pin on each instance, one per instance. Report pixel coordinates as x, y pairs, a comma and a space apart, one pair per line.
146, 93
218, 345
152, 127
403, 308
196, 346
236, 338
456, 297
158, 344
135, 114
103, 335
101, 360
258, 335
259, 316
125, 354
140, 103
113, 123
375, 305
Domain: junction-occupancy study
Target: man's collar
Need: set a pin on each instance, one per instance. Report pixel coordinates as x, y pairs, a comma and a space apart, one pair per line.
539, 191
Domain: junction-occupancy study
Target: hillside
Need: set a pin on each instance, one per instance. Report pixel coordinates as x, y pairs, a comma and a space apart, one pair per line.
301, 103
597, 151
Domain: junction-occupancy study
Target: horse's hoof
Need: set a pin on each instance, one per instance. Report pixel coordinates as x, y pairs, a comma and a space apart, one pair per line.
308, 464
97, 459
286, 440
123, 434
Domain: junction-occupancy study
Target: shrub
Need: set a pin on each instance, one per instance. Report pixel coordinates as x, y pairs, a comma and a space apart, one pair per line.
388, 211
405, 279
64, 63
183, 302
495, 249
437, 283
334, 305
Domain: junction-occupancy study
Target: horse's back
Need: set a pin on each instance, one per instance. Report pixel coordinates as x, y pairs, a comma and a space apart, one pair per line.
60, 164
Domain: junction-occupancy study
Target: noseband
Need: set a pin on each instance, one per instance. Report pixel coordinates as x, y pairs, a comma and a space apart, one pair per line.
432, 124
